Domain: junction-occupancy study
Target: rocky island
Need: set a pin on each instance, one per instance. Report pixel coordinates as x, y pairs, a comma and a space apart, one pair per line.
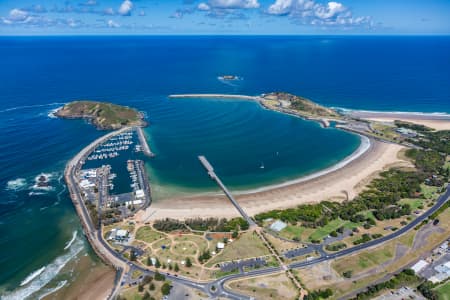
103, 115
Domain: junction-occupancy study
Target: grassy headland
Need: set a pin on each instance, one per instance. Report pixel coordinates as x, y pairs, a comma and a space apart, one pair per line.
103, 115
298, 105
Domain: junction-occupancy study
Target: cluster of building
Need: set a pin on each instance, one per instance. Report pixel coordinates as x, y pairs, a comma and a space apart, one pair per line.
436, 267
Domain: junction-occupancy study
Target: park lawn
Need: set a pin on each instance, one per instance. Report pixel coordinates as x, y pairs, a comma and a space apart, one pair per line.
364, 260
277, 286
200, 241
414, 203
429, 192
444, 291
132, 293
247, 246
147, 234
322, 232
367, 214
185, 248
164, 242
300, 232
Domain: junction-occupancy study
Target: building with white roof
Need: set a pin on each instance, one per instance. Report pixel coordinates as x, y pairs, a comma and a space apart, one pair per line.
278, 226
139, 194
220, 245
419, 266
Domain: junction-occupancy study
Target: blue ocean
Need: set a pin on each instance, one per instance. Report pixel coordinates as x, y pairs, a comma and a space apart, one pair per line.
40, 232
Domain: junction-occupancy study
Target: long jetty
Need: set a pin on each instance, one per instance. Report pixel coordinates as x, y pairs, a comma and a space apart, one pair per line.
212, 96
209, 168
145, 147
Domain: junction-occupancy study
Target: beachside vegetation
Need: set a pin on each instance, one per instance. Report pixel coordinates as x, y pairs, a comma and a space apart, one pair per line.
199, 224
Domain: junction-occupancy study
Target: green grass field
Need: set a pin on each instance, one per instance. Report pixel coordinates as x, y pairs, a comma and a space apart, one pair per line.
322, 232
444, 291
248, 245
364, 260
414, 203
429, 191
147, 234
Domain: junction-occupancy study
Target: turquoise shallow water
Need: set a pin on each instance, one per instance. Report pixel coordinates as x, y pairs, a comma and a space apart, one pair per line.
238, 138
39, 74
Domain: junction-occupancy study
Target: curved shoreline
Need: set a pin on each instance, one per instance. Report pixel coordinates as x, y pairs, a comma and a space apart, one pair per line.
362, 148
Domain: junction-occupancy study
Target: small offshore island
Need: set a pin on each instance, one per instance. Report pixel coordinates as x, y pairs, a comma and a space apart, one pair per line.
103, 115
392, 189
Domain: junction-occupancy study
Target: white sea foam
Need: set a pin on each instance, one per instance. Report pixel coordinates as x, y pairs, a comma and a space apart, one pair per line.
16, 184
74, 236
35, 194
29, 106
50, 272
51, 113
412, 113
60, 285
49, 176
32, 276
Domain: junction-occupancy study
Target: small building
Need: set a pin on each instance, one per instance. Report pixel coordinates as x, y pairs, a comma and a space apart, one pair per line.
419, 266
140, 194
278, 226
220, 245
121, 235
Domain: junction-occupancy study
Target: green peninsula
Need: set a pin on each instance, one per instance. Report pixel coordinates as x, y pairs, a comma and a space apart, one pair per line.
103, 115
298, 105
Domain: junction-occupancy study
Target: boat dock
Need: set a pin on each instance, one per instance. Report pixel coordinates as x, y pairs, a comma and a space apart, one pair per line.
145, 147
209, 168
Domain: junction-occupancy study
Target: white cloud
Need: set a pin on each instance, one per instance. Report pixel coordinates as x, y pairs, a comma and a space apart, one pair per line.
280, 7
233, 4
203, 6
18, 15
313, 13
112, 24
125, 8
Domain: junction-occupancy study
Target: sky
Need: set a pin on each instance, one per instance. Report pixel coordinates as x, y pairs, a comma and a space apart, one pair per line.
217, 17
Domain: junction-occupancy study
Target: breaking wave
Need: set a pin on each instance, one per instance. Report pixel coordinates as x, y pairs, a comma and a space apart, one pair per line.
30, 106
16, 184
74, 236
49, 273
60, 285
32, 276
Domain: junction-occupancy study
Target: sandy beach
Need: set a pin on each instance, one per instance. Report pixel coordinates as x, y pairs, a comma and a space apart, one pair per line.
348, 179
435, 121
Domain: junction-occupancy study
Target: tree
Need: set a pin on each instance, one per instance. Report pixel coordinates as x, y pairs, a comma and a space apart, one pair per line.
159, 276
151, 286
348, 274
188, 262
132, 255
157, 263
165, 288
234, 234
176, 268
146, 296
140, 288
